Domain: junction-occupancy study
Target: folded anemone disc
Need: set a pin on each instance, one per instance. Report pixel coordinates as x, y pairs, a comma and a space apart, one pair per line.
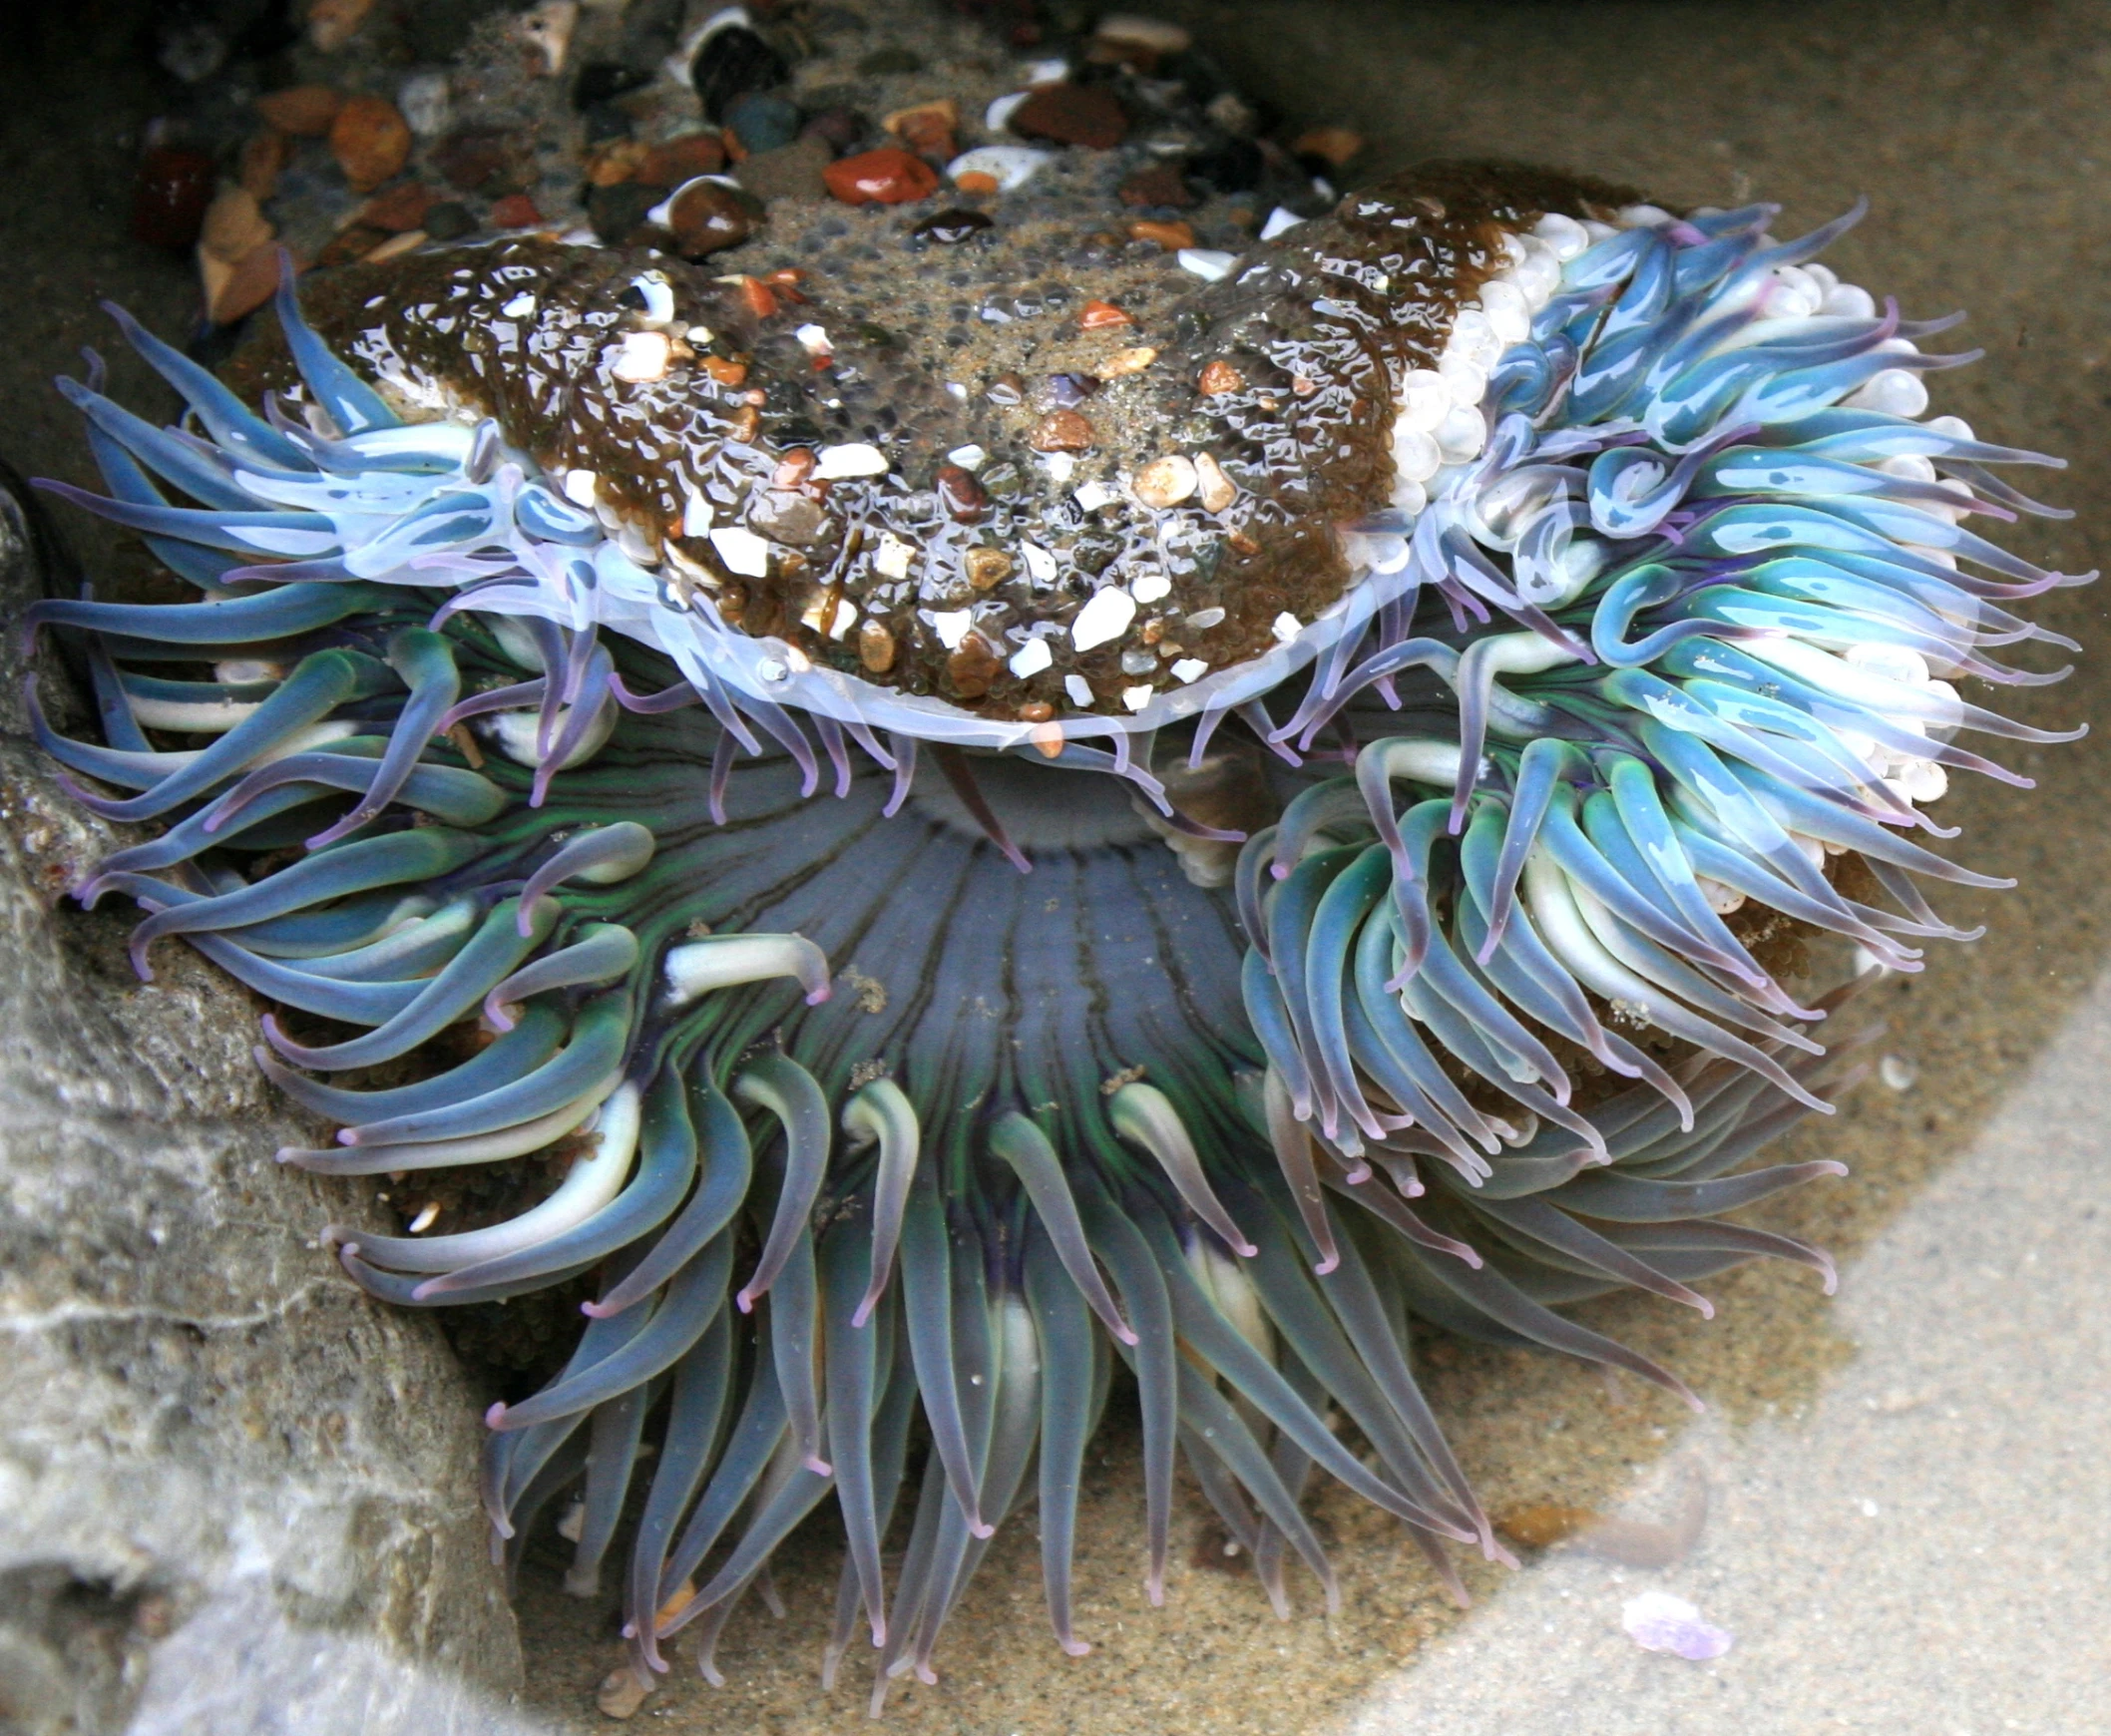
1527, 617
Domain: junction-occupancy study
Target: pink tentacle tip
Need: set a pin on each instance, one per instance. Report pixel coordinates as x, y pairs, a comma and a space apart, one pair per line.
815, 997
499, 1015
978, 1527
1155, 1588
494, 1418
746, 1301
1127, 1335
1245, 1250
818, 1466
1326, 1265
1075, 1648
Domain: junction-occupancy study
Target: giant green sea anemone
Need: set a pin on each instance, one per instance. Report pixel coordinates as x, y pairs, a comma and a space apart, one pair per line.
1330, 860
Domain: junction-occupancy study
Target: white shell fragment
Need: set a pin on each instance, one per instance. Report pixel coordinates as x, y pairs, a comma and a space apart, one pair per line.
1104, 618
1150, 587
1278, 220
1078, 688
1190, 669
642, 357
1031, 658
1136, 698
814, 339
518, 307
891, 561
1658, 1621
1091, 496
968, 457
854, 458
741, 550
1009, 166
580, 486
1286, 627
951, 626
1208, 263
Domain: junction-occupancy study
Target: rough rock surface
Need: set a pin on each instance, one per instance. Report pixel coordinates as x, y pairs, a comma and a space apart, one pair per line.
221, 1465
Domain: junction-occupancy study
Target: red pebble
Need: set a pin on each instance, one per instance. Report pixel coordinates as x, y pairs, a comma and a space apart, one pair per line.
887, 175
170, 197
515, 212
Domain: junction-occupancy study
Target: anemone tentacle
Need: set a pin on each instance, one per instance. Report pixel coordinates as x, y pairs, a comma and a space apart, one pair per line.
870, 1142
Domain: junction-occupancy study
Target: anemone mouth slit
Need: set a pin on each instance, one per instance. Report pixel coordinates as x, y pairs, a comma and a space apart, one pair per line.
1427, 842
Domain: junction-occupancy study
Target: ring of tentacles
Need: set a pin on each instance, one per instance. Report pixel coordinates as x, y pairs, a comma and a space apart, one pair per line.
1418, 960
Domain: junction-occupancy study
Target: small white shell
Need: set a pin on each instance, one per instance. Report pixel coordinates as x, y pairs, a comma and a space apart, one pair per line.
1008, 166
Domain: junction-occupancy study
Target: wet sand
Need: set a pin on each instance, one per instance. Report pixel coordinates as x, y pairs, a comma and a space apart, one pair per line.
1982, 134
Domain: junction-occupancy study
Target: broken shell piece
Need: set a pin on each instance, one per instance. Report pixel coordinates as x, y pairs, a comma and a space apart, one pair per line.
1004, 165
547, 28
855, 458
1031, 658
741, 550
1104, 618
642, 357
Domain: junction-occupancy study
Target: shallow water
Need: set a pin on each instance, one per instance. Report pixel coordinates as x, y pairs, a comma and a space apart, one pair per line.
1903, 1522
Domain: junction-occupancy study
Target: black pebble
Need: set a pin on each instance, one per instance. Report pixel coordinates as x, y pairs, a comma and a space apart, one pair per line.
605, 121
951, 227
1232, 166
448, 220
602, 81
733, 61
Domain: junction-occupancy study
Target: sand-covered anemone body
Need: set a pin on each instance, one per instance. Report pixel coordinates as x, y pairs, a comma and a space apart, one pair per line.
512, 755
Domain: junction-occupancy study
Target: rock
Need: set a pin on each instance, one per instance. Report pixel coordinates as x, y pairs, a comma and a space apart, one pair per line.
264, 153
1100, 315
1218, 491
448, 220
1130, 29
888, 176
729, 62
949, 228
973, 666
234, 225
601, 82
349, 243
1088, 115
707, 216
1333, 146
484, 160
1218, 379
370, 141
988, 568
236, 1495
1165, 482
926, 129
762, 120
426, 102
238, 285
962, 498
332, 22
305, 111
997, 168
842, 126
170, 197
1126, 361
399, 208
796, 171
680, 159
1062, 431
1160, 184
617, 213
515, 212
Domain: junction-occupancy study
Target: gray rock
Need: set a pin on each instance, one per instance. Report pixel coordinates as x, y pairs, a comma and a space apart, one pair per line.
210, 1431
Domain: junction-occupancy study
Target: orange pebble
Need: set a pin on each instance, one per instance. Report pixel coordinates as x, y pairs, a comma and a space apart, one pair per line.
975, 180
755, 295
1099, 315
726, 373
1172, 236
1219, 377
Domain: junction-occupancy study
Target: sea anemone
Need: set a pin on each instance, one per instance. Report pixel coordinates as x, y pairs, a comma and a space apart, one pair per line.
1372, 795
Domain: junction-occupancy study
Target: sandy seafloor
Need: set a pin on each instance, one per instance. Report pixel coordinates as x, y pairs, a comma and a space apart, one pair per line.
1907, 1525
